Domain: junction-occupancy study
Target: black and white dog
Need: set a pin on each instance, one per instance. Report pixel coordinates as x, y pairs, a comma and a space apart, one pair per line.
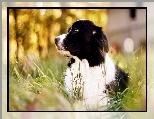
90, 72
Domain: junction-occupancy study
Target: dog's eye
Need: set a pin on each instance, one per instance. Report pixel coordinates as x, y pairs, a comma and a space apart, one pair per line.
76, 30
73, 30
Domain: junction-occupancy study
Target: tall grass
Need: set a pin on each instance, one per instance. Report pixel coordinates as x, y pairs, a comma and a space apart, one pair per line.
38, 85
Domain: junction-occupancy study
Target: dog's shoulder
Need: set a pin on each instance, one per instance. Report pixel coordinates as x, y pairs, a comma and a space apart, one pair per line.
120, 83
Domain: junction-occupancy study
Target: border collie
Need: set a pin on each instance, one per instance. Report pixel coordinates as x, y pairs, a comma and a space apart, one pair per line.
91, 73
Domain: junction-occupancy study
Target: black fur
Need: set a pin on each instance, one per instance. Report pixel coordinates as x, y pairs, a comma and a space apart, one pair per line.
87, 41
71, 62
121, 82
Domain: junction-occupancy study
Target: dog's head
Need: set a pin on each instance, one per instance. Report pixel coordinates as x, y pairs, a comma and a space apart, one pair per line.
84, 40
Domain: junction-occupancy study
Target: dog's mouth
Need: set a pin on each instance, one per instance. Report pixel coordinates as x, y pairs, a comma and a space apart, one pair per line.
60, 48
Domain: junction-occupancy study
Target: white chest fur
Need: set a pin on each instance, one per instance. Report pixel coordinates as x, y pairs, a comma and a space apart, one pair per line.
89, 83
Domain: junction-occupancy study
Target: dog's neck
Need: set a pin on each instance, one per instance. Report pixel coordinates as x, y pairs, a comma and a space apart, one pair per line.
72, 60
94, 59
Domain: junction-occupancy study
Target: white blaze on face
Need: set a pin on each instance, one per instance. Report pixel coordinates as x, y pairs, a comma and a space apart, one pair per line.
60, 45
60, 41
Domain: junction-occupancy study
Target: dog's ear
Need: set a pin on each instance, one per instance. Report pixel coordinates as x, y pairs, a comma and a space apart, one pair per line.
101, 38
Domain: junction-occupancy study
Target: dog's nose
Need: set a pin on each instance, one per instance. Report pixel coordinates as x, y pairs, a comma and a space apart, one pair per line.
57, 39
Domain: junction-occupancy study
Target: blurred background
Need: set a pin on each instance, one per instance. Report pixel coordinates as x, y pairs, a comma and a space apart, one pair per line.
31, 37
34, 59
32, 31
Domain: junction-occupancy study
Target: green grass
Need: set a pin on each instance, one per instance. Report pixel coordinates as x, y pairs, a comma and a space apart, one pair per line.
39, 85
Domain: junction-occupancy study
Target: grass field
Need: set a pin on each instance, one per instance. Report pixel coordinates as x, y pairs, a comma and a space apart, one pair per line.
38, 85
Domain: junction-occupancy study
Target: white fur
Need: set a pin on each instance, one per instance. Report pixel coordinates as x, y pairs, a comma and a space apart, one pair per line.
93, 81
60, 46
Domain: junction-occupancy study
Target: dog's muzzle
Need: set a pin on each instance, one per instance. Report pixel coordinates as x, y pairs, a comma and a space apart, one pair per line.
59, 41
